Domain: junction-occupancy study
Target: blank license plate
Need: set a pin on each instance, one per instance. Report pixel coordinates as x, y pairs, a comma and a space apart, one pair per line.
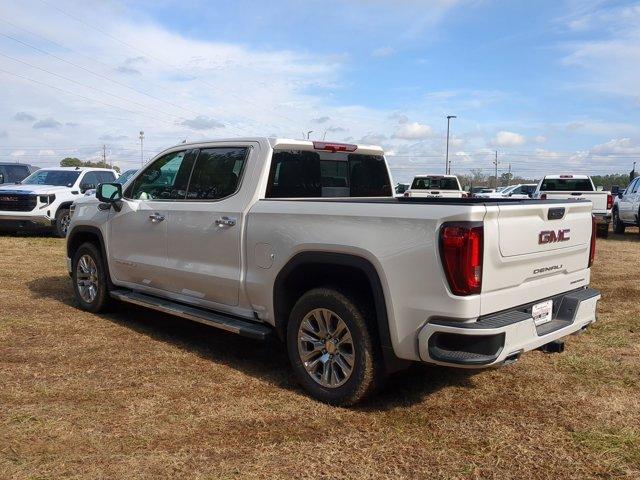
541, 312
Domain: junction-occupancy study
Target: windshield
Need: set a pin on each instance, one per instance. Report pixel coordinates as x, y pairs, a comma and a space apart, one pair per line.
122, 179
566, 185
440, 183
57, 178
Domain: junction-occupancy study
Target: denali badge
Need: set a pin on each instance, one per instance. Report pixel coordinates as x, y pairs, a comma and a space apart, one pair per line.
547, 269
551, 236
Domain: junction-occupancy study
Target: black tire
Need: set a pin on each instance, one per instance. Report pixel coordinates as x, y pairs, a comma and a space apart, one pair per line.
618, 225
603, 230
102, 301
367, 372
63, 216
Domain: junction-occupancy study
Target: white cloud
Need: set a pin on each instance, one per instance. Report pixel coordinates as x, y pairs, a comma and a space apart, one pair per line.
202, 123
47, 123
323, 119
540, 139
508, 139
24, 117
413, 131
383, 52
617, 146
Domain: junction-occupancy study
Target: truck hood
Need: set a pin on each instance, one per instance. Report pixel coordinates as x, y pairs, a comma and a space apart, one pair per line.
33, 189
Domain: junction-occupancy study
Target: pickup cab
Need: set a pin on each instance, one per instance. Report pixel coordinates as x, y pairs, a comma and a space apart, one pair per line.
626, 207
304, 241
435, 186
44, 198
555, 187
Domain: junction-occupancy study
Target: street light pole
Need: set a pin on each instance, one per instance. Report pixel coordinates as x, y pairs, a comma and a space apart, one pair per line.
141, 148
447, 167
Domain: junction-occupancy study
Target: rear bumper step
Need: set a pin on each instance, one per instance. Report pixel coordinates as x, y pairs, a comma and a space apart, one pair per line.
245, 328
499, 338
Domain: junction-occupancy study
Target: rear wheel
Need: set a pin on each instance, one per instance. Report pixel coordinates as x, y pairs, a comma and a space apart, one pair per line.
63, 218
618, 225
333, 351
90, 279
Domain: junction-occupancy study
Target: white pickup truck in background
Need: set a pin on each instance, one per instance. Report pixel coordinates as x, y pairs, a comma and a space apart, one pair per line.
44, 198
435, 186
626, 207
578, 187
248, 235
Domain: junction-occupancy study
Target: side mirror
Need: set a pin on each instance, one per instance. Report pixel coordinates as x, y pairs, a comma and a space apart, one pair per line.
615, 190
110, 193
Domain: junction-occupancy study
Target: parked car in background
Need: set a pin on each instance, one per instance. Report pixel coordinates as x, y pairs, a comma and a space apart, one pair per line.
401, 188
15, 172
435, 186
581, 187
44, 198
248, 235
626, 207
122, 179
519, 191
484, 192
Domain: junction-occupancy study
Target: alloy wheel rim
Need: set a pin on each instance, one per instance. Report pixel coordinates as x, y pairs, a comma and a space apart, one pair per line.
326, 348
87, 278
65, 221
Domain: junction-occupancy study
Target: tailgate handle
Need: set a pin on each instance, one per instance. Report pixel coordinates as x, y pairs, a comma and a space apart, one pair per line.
555, 213
576, 194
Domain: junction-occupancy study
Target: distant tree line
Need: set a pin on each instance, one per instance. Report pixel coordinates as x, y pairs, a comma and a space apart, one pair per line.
76, 162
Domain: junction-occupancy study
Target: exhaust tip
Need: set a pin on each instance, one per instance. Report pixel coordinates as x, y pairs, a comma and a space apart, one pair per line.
557, 346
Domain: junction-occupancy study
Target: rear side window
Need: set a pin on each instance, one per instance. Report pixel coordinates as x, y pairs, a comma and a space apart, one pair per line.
566, 185
217, 173
14, 173
430, 183
105, 177
304, 174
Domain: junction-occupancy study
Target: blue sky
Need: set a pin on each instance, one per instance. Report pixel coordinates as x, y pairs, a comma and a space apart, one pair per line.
553, 86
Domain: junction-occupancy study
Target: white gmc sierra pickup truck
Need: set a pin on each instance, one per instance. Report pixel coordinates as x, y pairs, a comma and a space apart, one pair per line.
580, 187
435, 186
305, 240
43, 199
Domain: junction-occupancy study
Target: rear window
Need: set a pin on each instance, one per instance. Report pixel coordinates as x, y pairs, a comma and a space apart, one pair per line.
301, 173
566, 185
430, 183
14, 173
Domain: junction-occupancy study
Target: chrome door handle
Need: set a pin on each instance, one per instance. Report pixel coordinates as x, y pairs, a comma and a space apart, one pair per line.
225, 222
156, 218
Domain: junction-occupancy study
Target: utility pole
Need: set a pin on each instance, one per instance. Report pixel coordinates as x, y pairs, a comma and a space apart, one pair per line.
104, 155
495, 163
447, 166
141, 148
309, 134
509, 177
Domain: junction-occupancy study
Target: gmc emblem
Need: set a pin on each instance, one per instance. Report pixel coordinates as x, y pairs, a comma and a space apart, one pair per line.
10, 199
551, 236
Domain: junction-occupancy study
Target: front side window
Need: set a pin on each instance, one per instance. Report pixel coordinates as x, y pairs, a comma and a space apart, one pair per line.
105, 177
57, 178
166, 178
302, 173
90, 180
635, 185
217, 173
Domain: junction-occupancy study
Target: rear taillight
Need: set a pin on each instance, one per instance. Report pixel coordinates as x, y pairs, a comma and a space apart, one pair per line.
592, 248
609, 202
543, 196
461, 253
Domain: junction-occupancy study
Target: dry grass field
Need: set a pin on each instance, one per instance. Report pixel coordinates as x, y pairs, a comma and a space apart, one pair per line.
135, 394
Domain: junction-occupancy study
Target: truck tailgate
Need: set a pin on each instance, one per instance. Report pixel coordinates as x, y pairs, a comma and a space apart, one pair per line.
542, 250
598, 199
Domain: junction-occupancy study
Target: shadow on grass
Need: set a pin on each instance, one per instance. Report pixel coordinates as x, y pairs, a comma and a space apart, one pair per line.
265, 360
630, 235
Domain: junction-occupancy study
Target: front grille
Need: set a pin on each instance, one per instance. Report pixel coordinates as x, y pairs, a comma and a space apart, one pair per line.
11, 202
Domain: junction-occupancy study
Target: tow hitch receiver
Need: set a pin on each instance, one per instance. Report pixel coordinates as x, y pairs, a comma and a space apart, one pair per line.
557, 346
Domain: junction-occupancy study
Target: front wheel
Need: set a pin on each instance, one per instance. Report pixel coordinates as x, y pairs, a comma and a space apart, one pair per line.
618, 225
89, 277
63, 219
333, 350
